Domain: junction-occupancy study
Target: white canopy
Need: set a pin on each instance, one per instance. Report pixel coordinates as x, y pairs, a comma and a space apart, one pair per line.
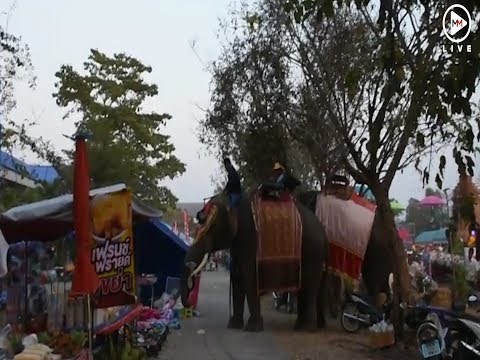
61, 207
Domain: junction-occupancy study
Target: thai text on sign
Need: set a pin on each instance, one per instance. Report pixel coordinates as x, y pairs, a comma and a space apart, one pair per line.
113, 250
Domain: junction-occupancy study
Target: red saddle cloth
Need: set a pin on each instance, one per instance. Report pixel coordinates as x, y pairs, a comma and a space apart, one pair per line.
279, 239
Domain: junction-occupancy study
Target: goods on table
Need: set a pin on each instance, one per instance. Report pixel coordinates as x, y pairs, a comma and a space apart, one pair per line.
121, 351
152, 327
35, 352
381, 335
47, 346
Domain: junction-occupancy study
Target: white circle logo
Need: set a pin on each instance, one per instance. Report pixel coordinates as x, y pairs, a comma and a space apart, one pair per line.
457, 23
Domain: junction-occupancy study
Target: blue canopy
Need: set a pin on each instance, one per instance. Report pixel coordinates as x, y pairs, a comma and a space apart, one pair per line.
364, 191
432, 236
39, 173
159, 251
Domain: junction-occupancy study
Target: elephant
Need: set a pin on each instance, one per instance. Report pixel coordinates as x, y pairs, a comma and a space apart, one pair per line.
377, 263
243, 249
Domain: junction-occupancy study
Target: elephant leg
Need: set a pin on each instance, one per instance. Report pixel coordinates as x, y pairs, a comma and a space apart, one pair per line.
238, 297
321, 302
334, 285
309, 294
255, 321
300, 310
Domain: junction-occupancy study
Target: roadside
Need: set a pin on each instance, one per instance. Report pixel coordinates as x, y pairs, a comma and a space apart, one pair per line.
206, 337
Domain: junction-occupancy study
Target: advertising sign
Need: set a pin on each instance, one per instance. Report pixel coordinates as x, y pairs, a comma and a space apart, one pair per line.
112, 250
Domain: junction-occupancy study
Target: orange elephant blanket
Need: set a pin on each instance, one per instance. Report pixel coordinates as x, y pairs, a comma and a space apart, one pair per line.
348, 224
279, 238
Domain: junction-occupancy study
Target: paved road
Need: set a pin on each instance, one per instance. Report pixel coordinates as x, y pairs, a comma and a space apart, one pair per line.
215, 341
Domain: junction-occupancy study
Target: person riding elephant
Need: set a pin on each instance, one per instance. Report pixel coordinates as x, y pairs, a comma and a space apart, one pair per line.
284, 179
280, 180
243, 243
233, 189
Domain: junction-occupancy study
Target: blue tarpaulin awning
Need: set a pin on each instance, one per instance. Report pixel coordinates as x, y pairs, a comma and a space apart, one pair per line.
41, 173
159, 251
437, 236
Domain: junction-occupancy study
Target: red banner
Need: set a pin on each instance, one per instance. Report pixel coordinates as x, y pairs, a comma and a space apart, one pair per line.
186, 223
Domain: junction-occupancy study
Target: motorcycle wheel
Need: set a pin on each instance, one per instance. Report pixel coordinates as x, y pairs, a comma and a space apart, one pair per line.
350, 325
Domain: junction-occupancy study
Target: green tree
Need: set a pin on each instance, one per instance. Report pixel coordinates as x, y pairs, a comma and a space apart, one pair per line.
435, 90
375, 77
15, 67
257, 110
18, 195
126, 143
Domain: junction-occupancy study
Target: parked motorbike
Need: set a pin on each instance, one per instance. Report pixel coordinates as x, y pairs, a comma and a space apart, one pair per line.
287, 299
357, 312
444, 334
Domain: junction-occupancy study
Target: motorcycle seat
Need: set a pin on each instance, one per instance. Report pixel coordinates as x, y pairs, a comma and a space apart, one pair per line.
469, 316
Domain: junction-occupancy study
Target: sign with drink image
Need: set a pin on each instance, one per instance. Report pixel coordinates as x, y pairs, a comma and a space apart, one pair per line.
113, 250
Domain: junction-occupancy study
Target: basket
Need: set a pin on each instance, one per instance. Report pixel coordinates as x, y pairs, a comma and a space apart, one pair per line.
380, 340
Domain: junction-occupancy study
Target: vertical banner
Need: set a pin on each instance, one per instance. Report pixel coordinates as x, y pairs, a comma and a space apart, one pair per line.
112, 250
186, 223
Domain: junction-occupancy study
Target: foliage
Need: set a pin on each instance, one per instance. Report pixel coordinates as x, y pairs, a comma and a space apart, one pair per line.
126, 145
16, 66
377, 80
18, 195
253, 99
414, 57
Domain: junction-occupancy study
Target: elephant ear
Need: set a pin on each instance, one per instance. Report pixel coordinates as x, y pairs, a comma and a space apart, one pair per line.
211, 217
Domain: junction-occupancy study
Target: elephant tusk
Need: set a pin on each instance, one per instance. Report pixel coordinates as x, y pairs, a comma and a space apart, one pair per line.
200, 267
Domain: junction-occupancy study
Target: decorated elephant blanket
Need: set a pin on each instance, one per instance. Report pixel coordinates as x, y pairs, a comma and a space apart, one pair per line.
348, 225
279, 238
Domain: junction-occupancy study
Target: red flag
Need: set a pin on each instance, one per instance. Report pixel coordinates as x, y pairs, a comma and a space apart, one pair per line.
85, 279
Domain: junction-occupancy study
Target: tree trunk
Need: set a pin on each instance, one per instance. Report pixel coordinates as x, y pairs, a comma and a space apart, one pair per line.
399, 259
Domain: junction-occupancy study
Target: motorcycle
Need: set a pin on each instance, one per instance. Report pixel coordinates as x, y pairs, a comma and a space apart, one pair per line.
357, 312
287, 299
445, 334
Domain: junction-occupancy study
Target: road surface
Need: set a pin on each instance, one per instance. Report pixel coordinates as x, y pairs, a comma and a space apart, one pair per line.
207, 338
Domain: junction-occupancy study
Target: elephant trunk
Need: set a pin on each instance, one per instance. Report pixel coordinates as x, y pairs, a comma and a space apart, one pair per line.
195, 259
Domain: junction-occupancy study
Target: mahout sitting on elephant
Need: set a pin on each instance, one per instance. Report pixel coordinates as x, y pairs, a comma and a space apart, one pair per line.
217, 233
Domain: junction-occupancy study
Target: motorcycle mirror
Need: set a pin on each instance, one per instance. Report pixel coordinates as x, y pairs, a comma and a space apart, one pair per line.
472, 298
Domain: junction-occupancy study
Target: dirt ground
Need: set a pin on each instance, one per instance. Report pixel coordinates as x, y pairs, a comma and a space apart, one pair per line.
206, 337
331, 343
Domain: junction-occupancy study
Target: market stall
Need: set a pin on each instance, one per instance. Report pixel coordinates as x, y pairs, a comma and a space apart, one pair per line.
113, 315
159, 251
102, 282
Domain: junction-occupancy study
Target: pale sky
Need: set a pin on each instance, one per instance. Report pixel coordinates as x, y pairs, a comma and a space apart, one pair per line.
159, 33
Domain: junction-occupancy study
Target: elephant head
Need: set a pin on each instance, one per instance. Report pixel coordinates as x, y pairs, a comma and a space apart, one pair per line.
215, 233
